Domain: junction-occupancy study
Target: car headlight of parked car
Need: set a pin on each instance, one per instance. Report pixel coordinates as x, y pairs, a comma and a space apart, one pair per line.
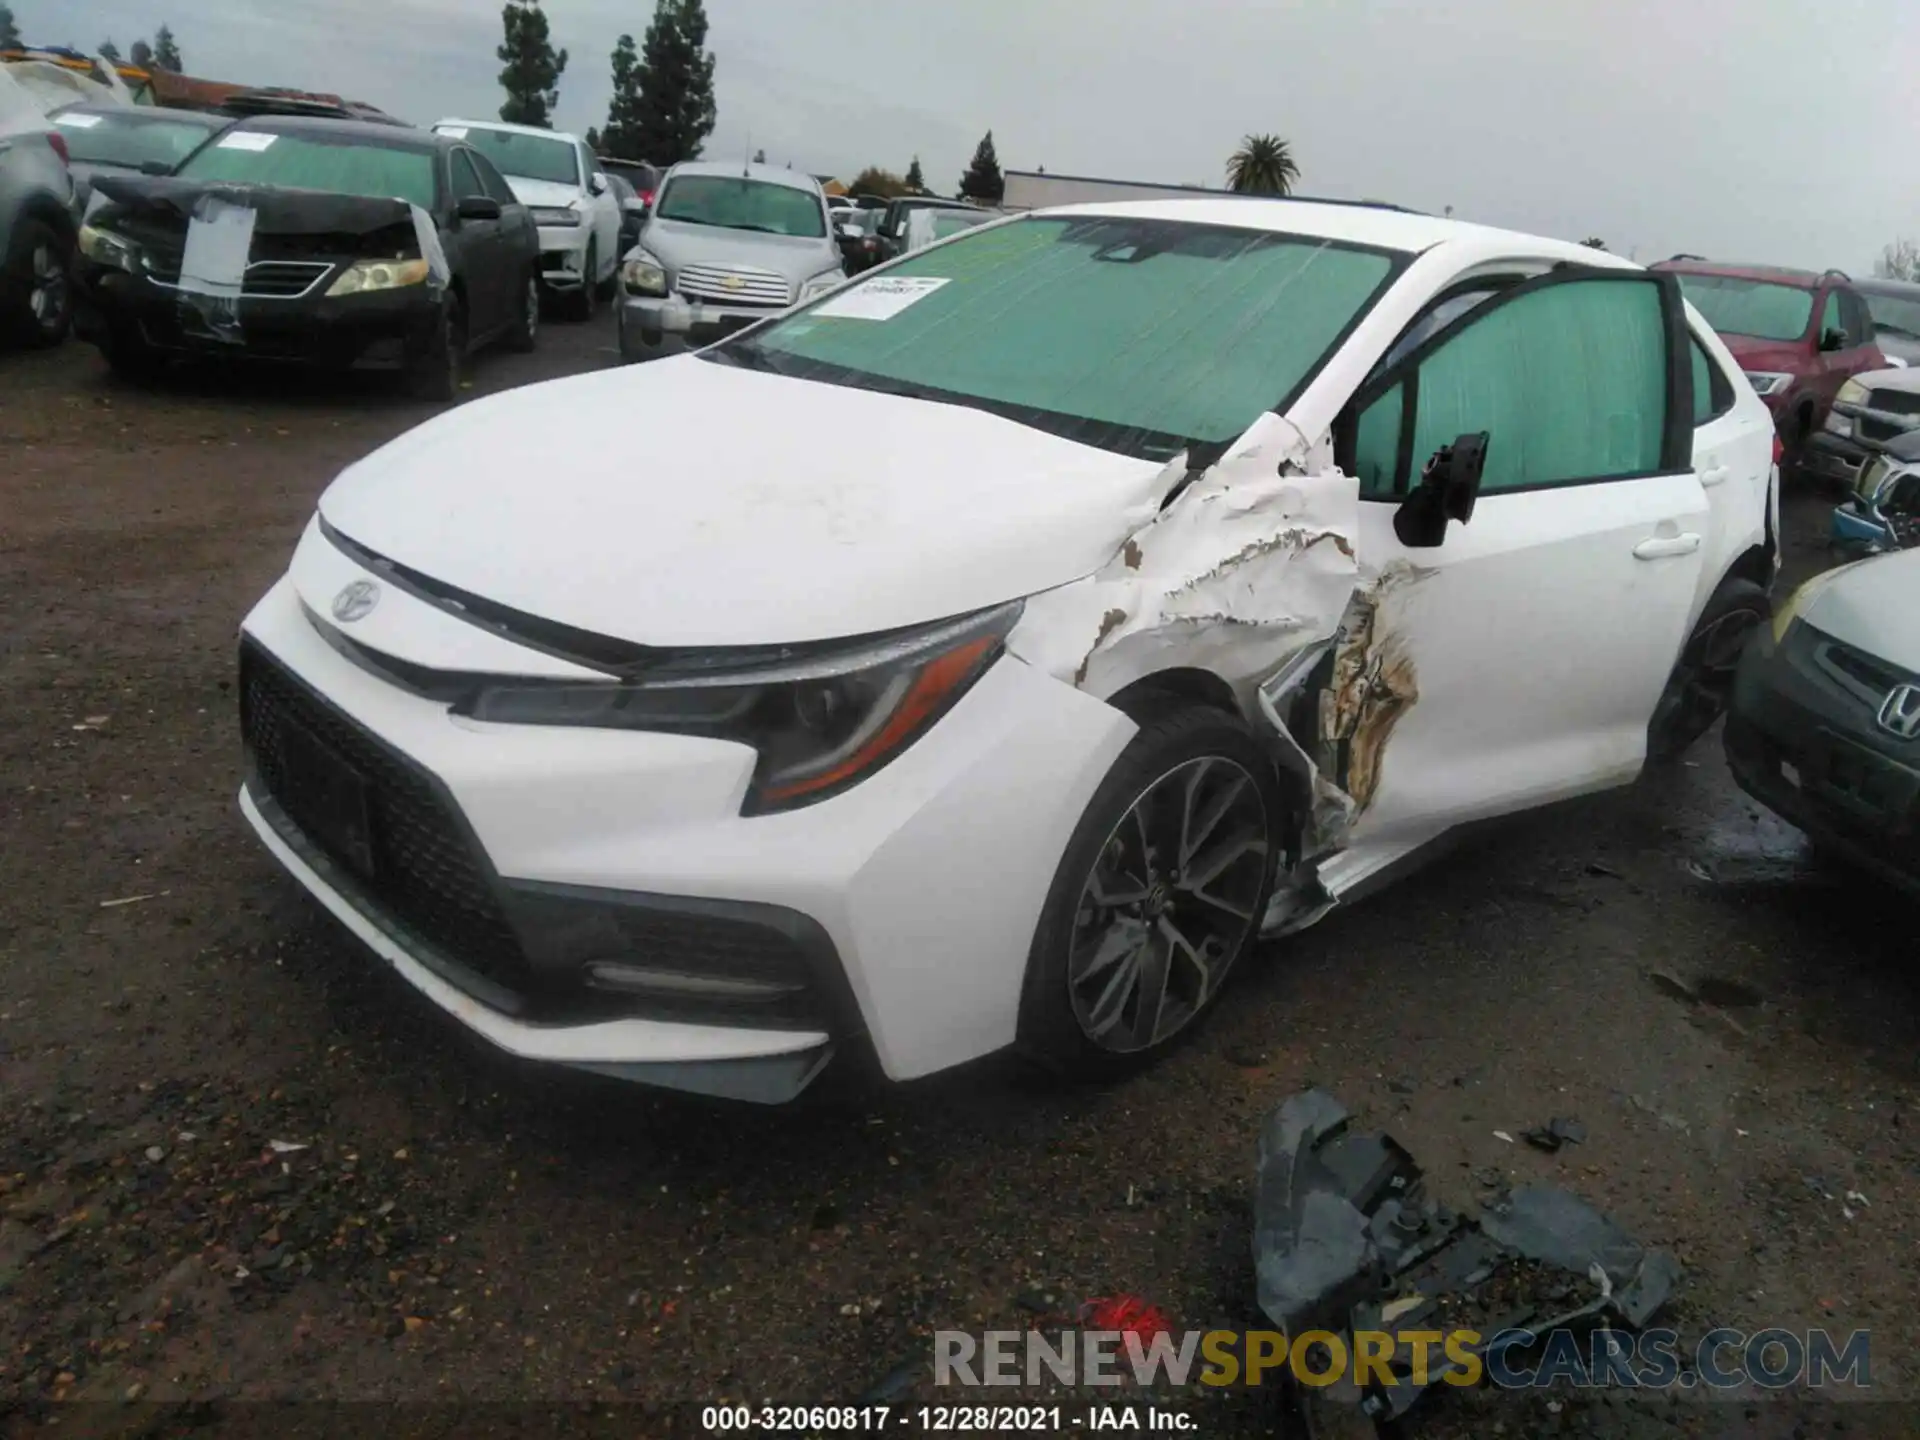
1797, 604
643, 275
1875, 477
820, 721
1851, 393
105, 247
1767, 382
821, 284
365, 276
551, 215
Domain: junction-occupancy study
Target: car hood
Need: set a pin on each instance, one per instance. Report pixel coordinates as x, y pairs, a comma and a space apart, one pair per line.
1771, 356
675, 243
1898, 347
691, 503
544, 193
1875, 607
152, 206
1896, 377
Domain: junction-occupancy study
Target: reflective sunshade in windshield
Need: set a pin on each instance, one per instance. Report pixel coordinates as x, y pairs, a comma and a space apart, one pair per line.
1134, 335
528, 157
132, 138
1737, 306
735, 203
306, 162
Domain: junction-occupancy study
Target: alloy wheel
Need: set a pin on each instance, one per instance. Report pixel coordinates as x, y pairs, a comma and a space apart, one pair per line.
48, 296
533, 306
1168, 905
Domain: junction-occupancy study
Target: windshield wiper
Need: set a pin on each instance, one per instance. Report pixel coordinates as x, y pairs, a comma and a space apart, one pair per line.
748, 355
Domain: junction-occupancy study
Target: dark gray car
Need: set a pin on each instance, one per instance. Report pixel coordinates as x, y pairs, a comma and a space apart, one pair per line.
130, 139
1824, 727
38, 222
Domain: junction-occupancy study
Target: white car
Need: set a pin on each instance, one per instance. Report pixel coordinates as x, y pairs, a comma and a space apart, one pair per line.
1208, 560
558, 178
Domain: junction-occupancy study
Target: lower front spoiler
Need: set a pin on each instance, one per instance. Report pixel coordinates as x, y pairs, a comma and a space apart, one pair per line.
763, 1066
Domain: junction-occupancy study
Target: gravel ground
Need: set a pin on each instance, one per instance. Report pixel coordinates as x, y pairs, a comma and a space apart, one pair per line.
240, 1163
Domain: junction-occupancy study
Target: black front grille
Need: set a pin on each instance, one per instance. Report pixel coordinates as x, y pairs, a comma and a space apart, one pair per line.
1895, 402
426, 873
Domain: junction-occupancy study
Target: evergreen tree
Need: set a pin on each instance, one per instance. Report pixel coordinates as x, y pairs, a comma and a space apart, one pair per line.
143, 54
9, 32
533, 67
111, 51
983, 180
166, 54
594, 141
916, 182
622, 135
675, 112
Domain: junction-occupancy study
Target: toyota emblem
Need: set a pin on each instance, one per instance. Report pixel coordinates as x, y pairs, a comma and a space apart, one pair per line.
1900, 715
355, 601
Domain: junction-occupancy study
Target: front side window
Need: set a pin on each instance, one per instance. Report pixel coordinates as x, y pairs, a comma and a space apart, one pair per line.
732, 202
466, 180
1830, 321
491, 180
1569, 381
528, 157
1140, 336
316, 162
1756, 308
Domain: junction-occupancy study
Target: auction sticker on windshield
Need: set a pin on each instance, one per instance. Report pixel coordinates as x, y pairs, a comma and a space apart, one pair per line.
881, 298
247, 140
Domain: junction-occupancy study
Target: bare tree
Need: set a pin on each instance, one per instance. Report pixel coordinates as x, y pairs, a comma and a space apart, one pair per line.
1900, 261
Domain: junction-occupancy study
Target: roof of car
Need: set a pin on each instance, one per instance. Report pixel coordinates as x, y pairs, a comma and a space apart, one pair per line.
1773, 274
771, 174
388, 137
1403, 230
1900, 289
147, 114
509, 128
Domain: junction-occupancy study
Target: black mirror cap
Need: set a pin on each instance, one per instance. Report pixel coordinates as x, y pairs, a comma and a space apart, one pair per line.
1449, 486
155, 167
479, 207
1831, 340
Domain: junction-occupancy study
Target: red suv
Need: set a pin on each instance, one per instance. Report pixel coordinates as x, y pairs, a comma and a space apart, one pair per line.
1798, 335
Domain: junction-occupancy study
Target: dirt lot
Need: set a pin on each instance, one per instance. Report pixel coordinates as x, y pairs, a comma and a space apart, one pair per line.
459, 1227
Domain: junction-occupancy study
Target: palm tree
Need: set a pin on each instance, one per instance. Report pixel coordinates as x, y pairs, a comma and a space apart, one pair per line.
1263, 165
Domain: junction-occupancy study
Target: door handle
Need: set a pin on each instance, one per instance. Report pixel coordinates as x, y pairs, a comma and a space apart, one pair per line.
1660, 547
1713, 475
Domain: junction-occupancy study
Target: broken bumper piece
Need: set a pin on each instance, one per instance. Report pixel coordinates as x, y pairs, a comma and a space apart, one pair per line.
1346, 1240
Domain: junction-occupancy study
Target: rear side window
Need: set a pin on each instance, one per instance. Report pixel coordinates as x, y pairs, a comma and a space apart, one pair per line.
491, 180
1712, 391
1569, 381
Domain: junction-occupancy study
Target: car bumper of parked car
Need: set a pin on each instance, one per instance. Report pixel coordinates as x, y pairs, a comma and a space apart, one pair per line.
1855, 527
1805, 744
595, 898
652, 326
1832, 457
563, 255
385, 328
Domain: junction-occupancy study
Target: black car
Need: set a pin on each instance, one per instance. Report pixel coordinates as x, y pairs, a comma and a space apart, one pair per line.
893, 226
331, 242
858, 234
644, 178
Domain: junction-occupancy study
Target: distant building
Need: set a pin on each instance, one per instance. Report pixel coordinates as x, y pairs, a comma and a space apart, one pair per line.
1036, 189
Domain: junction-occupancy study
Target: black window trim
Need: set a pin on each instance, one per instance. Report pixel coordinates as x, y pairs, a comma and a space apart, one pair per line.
1720, 390
1676, 440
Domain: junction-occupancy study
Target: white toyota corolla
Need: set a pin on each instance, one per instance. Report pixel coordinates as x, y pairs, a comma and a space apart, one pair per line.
1203, 561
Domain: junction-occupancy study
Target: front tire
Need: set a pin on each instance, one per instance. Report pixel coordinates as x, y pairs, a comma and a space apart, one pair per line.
1160, 892
586, 300
1702, 682
38, 262
525, 334
435, 375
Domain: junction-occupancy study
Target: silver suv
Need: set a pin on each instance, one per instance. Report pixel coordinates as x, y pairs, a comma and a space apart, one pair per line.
37, 222
724, 246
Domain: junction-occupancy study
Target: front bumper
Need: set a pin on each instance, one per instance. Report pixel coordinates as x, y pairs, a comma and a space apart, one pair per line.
918, 890
652, 326
1803, 742
563, 255
383, 328
1835, 458
1856, 528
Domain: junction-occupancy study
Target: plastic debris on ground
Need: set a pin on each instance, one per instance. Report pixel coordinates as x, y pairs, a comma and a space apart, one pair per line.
1346, 1239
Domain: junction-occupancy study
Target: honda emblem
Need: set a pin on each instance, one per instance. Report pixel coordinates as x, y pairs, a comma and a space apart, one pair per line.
1900, 714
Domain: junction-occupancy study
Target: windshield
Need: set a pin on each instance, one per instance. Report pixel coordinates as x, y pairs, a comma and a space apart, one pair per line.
130, 138
1898, 314
308, 162
1141, 336
527, 157
736, 203
1736, 306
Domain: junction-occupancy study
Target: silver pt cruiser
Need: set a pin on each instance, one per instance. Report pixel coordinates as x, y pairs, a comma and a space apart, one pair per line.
724, 245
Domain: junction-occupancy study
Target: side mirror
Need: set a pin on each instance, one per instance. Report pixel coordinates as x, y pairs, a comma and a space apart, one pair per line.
1448, 486
155, 167
1831, 339
478, 207
598, 184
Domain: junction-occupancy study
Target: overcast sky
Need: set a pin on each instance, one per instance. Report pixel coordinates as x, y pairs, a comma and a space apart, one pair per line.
1779, 130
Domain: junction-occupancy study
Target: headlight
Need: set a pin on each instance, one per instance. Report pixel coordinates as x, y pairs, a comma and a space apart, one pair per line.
1766, 382
822, 720
1896, 363
104, 247
821, 284
546, 215
364, 276
644, 275
1851, 393
1872, 480
1784, 617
